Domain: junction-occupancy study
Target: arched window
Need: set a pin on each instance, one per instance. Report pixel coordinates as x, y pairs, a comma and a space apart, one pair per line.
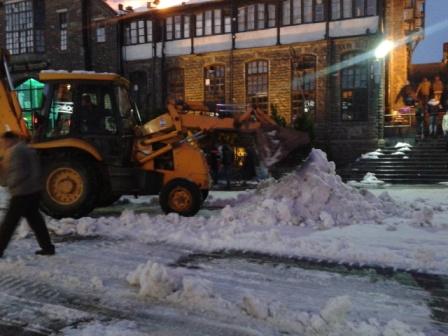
214, 86
303, 86
257, 84
354, 87
175, 84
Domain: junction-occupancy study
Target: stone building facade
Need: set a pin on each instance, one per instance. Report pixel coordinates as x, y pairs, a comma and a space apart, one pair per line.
309, 61
311, 58
59, 35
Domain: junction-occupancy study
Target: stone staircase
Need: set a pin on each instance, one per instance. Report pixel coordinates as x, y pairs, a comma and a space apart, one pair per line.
425, 163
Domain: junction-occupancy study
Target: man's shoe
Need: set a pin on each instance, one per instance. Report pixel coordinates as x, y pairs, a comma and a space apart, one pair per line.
46, 252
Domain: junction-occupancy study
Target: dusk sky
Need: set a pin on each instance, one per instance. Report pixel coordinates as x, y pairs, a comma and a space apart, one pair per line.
428, 51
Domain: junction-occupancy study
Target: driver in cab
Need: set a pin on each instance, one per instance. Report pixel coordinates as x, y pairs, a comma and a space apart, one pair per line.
89, 115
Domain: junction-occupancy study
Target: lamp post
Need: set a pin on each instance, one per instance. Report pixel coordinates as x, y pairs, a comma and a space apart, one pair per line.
381, 52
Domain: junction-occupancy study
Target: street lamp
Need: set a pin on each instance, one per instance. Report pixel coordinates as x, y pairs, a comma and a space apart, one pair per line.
381, 52
384, 48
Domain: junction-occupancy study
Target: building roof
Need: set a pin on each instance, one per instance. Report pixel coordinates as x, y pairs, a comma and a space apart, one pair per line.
60, 75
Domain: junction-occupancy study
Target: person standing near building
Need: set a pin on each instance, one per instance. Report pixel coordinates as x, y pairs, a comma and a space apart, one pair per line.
406, 94
433, 110
445, 128
20, 170
423, 91
437, 88
420, 120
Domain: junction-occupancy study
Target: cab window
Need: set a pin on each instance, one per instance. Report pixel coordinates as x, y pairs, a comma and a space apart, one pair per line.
95, 110
61, 111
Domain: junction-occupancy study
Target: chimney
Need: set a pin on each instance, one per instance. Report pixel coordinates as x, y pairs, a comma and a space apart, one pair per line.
120, 7
129, 9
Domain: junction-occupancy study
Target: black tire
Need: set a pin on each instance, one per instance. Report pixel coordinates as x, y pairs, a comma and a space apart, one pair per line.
180, 196
70, 187
204, 194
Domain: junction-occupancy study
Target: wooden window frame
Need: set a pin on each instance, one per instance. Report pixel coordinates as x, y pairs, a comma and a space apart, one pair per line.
143, 30
63, 30
263, 17
354, 88
175, 80
298, 7
343, 15
23, 27
185, 27
255, 80
218, 22
303, 65
215, 91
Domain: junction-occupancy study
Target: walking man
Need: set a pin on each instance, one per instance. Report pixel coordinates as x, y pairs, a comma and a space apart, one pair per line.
21, 173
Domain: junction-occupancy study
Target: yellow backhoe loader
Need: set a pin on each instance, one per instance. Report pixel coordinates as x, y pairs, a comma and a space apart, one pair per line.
94, 147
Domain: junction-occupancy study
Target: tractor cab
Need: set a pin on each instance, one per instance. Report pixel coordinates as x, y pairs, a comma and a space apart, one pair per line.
94, 107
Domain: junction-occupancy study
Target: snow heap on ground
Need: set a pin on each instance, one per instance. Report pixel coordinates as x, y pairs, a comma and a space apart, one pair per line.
313, 196
369, 179
373, 155
163, 283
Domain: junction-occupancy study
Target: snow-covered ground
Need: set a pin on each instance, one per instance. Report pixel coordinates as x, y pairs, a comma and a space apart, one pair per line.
129, 260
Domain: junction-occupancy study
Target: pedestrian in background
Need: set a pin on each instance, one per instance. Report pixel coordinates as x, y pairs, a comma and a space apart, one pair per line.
21, 174
420, 119
406, 94
437, 88
433, 110
423, 91
445, 128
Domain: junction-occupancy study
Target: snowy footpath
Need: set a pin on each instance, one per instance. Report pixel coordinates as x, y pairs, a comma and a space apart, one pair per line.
304, 255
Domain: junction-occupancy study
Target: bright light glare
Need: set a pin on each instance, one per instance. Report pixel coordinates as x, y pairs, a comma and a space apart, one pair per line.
384, 49
142, 3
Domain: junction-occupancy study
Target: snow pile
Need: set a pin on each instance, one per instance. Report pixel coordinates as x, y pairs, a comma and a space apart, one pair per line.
372, 155
369, 179
399, 152
154, 280
168, 284
311, 196
403, 145
332, 320
160, 282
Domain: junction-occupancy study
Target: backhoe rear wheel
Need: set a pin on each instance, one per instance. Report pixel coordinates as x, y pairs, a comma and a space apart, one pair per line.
69, 188
180, 196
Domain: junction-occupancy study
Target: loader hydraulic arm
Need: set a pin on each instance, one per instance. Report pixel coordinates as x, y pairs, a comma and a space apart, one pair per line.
10, 110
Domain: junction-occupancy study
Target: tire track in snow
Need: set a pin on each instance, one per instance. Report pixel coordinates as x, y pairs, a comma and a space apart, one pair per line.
34, 293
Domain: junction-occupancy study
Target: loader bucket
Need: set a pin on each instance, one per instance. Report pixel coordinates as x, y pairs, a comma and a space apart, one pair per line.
275, 143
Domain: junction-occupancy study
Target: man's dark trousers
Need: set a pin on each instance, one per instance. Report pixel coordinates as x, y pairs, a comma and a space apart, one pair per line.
26, 206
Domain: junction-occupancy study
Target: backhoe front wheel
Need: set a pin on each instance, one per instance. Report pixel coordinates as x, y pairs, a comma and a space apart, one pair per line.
69, 188
180, 196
